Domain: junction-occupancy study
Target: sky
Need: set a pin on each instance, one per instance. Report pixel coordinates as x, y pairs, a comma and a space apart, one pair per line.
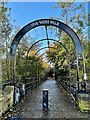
25, 12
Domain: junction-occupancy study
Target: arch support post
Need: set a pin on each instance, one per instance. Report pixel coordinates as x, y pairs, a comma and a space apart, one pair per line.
14, 67
84, 73
9, 59
69, 68
77, 78
37, 73
26, 67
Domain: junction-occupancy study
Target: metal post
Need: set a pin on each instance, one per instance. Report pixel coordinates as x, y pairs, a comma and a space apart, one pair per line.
77, 88
55, 71
69, 72
45, 99
9, 57
37, 73
54, 67
26, 68
77, 72
84, 73
15, 67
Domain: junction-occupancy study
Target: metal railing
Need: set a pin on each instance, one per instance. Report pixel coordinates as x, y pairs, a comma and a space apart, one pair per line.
33, 82
70, 87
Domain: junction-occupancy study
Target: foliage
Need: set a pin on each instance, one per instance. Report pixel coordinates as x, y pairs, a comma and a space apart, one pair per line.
5, 39
75, 15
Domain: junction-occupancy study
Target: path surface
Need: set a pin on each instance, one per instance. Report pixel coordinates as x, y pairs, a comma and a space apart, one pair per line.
60, 103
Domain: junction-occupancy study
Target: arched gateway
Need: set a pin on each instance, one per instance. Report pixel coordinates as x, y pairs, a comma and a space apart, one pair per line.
60, 25
49, 22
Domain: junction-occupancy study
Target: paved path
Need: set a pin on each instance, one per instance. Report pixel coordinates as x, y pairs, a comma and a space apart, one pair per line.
60, 103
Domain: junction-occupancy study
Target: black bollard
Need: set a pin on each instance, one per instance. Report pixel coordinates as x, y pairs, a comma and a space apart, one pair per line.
45, 99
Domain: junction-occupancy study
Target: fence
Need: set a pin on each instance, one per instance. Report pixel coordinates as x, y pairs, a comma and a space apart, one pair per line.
11, 93
33, 82
70, 87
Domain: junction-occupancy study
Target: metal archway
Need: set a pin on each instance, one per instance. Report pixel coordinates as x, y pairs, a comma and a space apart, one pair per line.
42, 55
49, 47
49, 39
42, 49
54, 69
47, 22
60, 25
55, 48
45, 40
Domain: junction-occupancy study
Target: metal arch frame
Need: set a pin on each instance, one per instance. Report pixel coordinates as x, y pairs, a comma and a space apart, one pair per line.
38, 67
55, 23
69, 68
50, 47
42, 49
41, 40
53, 48
43, 54
47, 22
38, 51
49, 60
42, 62
46, 40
